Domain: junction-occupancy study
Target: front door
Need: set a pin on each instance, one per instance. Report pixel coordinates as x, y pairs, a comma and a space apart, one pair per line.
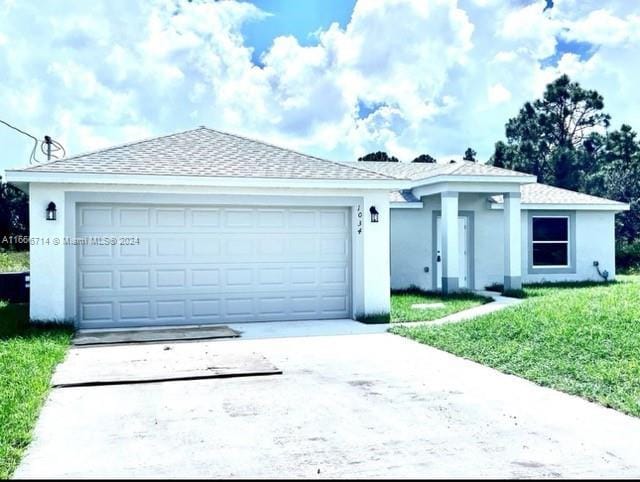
463, 242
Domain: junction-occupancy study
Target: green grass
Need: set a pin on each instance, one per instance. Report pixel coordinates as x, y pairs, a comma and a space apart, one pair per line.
14, 261
401, 302
28, 355
581, 338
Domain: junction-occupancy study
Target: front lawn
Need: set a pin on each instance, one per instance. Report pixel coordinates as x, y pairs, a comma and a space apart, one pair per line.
28, 355
11, 261
583, 339
402, 301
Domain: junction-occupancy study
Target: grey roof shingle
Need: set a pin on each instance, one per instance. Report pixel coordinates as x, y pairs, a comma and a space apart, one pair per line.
533, 193
208, 153
416, 171
544, 194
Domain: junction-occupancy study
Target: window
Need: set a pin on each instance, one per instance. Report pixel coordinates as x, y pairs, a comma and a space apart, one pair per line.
550, 238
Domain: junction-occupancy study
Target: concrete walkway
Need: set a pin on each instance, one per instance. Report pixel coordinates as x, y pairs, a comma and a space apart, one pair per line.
499, 303
373, 405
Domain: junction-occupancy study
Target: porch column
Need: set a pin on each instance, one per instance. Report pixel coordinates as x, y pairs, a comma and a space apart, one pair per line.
512, 242
449, 228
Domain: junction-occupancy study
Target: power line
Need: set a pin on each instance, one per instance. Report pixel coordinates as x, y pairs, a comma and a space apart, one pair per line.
52, 146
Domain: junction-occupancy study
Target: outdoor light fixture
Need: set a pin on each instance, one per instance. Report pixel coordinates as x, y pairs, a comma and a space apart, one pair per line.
374, 214
51, 211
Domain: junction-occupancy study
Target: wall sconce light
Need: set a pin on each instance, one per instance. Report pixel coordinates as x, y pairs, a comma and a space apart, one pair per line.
374, 214
51, 211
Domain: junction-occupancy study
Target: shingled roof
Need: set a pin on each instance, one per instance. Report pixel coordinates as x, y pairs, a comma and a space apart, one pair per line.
208, 153
544, 194
416, 171
532, 193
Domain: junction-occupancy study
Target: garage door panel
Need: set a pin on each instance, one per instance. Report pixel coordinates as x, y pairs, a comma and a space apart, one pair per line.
205, 218
132, 253
239, 218
200, 264
336, 220
96, 280
133, 217
205, 278
274, 219
135, 310
206, 308
132, 279
91, 251
272, 276
99, 311
95, 217
171, 309
205, 247
174, 218
171, 278
333, 304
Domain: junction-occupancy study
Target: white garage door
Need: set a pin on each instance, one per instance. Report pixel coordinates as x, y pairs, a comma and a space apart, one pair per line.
198, 264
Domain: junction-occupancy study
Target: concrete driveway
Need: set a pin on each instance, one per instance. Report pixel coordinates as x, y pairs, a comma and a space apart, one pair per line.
370, 405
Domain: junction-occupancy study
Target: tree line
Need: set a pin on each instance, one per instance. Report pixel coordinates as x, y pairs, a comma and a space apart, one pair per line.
565, 139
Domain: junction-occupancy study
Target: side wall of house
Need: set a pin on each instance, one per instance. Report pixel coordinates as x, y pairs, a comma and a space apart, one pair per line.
412, 245
594, 241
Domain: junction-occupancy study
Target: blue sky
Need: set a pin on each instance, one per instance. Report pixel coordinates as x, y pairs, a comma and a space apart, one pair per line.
334, 78
302, 19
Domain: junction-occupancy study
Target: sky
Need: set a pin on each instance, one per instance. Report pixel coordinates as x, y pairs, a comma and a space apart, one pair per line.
333, 78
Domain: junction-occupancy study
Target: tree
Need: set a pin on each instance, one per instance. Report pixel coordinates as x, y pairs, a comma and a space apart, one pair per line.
546, 133
618, 177
378, 157
503, 155
425, 158
561, 139
14, 215
470, 155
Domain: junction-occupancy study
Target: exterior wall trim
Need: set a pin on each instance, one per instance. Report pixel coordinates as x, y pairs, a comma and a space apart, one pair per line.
569, 207
17, 177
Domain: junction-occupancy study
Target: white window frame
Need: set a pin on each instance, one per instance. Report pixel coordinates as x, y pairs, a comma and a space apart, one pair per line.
567, 242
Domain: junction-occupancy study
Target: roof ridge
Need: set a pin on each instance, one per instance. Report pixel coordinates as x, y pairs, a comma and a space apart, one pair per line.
117, 146
364, 169
460, 164
252, 139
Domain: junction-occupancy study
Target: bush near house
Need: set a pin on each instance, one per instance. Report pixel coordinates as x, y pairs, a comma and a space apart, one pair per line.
14, 261
28, 355
628, 256
581, 338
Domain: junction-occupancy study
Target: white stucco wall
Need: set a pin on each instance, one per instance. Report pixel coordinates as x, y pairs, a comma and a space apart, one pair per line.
412, 246
53, 264
46, 258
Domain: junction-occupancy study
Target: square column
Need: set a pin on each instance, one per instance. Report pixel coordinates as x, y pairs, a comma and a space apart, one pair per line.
512, 242
450, 254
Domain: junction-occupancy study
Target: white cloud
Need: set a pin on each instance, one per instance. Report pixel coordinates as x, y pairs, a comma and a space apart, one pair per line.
498, 93
437, 76
603, 28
